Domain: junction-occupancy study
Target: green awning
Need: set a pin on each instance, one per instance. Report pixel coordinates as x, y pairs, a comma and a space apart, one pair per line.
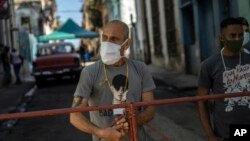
70, 30
71, 27
56, 36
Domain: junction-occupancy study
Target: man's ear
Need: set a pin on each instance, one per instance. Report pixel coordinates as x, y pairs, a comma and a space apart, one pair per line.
127, 44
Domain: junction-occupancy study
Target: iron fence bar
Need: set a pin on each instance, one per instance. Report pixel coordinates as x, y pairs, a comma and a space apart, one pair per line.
58, 111
130, 106
133, 122
130, 124
191, 99
102, 107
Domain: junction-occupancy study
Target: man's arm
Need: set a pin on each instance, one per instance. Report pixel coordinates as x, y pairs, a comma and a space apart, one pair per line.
82, 123
149, 111
205, 117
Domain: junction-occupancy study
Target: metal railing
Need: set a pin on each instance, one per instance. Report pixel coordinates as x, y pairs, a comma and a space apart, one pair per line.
130, 107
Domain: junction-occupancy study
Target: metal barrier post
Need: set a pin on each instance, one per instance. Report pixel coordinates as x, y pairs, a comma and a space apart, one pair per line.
132, 122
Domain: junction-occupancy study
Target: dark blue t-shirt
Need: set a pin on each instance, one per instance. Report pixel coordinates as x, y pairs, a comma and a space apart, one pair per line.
232, 76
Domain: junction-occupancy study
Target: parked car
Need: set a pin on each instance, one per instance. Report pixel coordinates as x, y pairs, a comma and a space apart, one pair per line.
56, 60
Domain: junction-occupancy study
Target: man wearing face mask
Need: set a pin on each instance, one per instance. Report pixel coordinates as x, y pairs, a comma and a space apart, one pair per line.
246, 40
225, 72
114, 79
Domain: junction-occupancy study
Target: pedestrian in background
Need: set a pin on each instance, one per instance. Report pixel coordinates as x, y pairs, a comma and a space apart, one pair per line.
246, 40
82, 51
225, 72
113, 80
17, 61
5, 58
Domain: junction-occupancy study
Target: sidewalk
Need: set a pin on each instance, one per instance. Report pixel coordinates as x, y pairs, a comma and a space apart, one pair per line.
176, 80
11, 99
171, 130
169, 125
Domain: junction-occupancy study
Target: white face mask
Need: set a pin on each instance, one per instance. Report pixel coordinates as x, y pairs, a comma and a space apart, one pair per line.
246, 38
110, 52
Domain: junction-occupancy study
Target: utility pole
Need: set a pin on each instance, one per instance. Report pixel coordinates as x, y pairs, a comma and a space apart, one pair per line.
4, 14
13, 28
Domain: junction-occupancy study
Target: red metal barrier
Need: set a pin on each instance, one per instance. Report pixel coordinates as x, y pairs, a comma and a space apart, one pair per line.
130, 106
132, 122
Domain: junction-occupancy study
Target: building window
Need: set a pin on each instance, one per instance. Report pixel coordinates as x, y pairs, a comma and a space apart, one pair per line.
171, 37
156, 28
25, 23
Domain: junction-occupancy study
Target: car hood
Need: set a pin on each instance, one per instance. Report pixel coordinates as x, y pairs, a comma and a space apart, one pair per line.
57, 61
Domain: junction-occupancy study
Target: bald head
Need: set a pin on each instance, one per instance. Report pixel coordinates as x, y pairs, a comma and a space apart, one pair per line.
117, 32
120, 25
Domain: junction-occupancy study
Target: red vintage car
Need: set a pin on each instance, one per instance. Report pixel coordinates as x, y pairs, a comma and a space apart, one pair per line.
56, 60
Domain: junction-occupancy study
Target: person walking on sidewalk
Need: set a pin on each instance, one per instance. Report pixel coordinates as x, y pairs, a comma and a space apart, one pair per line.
113, 80
17, 61
5, 58
225, 72
82, 51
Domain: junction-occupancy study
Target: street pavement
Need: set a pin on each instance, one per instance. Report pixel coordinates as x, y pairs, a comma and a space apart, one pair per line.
11, 97
172, 78
176, 122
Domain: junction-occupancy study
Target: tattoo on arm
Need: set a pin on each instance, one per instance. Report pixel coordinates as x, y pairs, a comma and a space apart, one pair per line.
77, 102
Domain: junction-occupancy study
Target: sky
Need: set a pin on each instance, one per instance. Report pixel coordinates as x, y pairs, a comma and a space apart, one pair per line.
70, 9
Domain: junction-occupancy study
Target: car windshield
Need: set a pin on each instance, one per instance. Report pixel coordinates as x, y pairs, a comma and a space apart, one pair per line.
57, 49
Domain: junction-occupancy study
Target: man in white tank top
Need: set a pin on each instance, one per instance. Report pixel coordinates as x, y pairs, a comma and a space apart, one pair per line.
16, 60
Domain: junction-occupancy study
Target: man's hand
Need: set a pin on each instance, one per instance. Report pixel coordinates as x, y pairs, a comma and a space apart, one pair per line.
122, 123
114, 133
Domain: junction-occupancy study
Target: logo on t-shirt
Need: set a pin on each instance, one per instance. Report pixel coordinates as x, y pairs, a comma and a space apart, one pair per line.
237, 80
119, 90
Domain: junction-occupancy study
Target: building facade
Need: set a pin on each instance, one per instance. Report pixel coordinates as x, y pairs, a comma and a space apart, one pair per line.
158, 33
6, 26
23, 21
175, 34
244, 9
200, 28
179, 35
36, 16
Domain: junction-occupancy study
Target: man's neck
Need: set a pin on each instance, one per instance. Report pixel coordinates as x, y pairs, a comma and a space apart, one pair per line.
121, 62
226, 52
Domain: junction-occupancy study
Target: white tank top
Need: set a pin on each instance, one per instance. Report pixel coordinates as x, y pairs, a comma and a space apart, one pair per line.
16, 58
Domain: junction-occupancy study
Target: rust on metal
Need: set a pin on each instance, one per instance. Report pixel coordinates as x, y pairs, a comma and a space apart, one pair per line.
131, 108
124, 105
132, 122
191, 99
